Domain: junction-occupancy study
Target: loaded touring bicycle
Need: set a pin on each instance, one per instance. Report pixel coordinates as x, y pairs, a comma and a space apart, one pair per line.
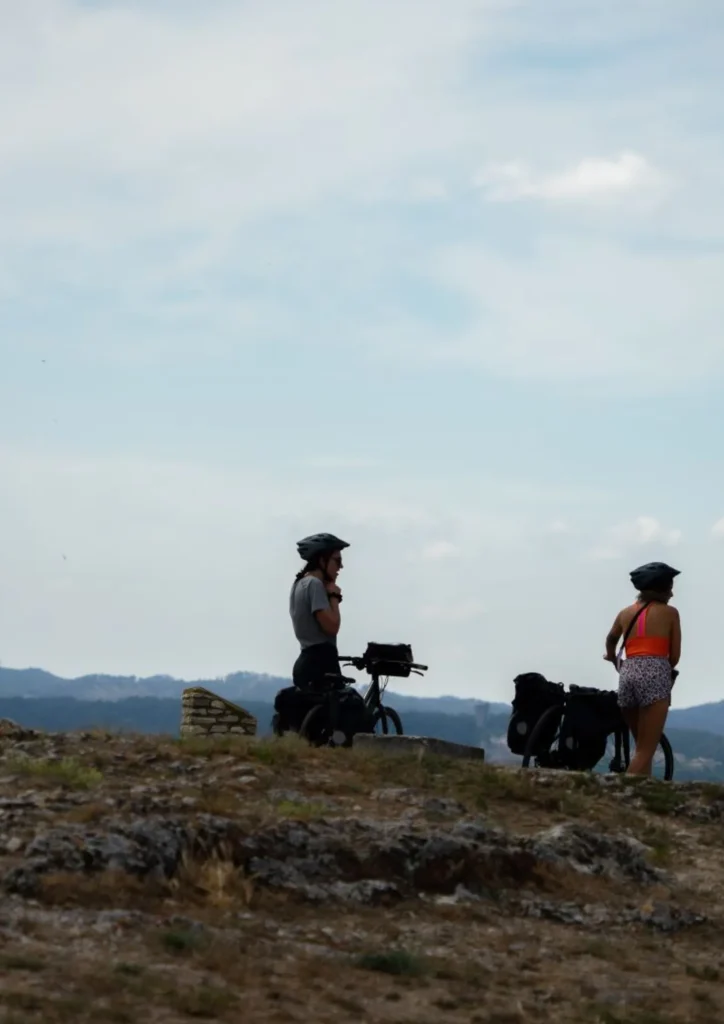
578, 730
332, 715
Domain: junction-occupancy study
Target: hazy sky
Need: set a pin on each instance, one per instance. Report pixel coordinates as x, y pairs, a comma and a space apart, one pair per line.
444, 278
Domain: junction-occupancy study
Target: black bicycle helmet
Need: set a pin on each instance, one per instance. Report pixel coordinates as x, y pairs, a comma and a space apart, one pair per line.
319, 544
653, 576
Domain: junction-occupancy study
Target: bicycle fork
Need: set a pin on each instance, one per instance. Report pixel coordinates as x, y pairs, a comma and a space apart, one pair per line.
622, 756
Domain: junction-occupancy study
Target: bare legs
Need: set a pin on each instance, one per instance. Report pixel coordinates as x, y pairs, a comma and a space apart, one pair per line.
646, 724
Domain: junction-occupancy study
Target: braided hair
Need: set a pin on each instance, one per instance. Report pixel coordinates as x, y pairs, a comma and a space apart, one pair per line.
310, 566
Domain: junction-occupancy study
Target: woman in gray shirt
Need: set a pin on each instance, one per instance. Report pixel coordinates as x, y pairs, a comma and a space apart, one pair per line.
314, 609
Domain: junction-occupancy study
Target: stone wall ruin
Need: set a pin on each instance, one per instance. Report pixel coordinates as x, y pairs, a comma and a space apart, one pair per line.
204, 713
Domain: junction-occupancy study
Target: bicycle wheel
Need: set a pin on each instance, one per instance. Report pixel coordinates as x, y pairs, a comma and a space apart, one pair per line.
668, 755
663, 763
317, 730
539, 729
662, 767
386, 717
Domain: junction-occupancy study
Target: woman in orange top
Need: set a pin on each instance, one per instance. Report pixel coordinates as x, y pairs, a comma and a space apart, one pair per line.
652, 641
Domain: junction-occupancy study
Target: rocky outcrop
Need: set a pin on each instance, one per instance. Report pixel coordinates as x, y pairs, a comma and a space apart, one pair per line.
10, 730
206, 714
351, 861
328, 858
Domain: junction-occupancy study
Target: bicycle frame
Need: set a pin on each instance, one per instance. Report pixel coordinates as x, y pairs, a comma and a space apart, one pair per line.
373, 693
378, 669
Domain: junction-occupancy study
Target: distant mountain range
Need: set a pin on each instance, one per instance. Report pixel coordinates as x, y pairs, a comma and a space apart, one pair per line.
253, 686
41, 700
239, 686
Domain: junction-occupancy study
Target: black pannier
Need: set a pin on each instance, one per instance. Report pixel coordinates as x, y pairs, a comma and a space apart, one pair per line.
534, 695
353, 714
292, 706
591, 716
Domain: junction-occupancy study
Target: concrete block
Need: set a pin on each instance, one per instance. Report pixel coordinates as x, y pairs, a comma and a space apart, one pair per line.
417, 746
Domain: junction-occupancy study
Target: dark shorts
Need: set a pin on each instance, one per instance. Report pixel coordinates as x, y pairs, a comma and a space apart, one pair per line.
312, 666
643, 681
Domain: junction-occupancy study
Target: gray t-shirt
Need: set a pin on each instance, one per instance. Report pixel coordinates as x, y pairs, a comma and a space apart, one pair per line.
307, 597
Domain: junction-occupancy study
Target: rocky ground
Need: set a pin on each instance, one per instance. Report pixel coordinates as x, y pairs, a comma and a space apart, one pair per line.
160, 880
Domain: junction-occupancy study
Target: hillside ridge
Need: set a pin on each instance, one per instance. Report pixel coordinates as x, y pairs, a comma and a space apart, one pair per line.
190, 878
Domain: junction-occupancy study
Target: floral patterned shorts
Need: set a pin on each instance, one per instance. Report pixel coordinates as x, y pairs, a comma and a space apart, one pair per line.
644, 680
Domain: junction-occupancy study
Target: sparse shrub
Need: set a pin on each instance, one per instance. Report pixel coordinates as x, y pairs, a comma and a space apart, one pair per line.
184, 940
660, 798
302, 811
397, 962
705, 973
67, 771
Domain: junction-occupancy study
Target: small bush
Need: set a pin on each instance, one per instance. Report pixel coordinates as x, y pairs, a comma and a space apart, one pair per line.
18, 962
128, 970
397, 962
705, 973
660, 798
301, 811
184, 940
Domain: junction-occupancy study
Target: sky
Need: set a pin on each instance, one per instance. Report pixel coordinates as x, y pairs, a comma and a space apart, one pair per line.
443, 279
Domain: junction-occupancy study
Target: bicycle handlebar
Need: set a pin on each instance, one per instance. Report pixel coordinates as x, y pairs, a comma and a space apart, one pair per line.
361, 663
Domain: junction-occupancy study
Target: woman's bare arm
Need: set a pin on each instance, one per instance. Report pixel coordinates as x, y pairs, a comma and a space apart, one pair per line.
614, 635
675, 637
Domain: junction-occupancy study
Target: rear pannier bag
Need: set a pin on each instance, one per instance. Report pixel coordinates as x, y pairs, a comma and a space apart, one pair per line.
534, 695
591, 717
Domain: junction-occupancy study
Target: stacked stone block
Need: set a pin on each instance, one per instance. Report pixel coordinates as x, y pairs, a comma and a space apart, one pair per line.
206, 714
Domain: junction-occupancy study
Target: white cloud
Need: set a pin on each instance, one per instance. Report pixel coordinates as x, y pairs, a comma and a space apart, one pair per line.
593, 178
156, 120
717, 529
643, 531
157, 145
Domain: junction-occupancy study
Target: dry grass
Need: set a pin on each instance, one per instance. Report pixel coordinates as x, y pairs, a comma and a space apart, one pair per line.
67, 771
216, 881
